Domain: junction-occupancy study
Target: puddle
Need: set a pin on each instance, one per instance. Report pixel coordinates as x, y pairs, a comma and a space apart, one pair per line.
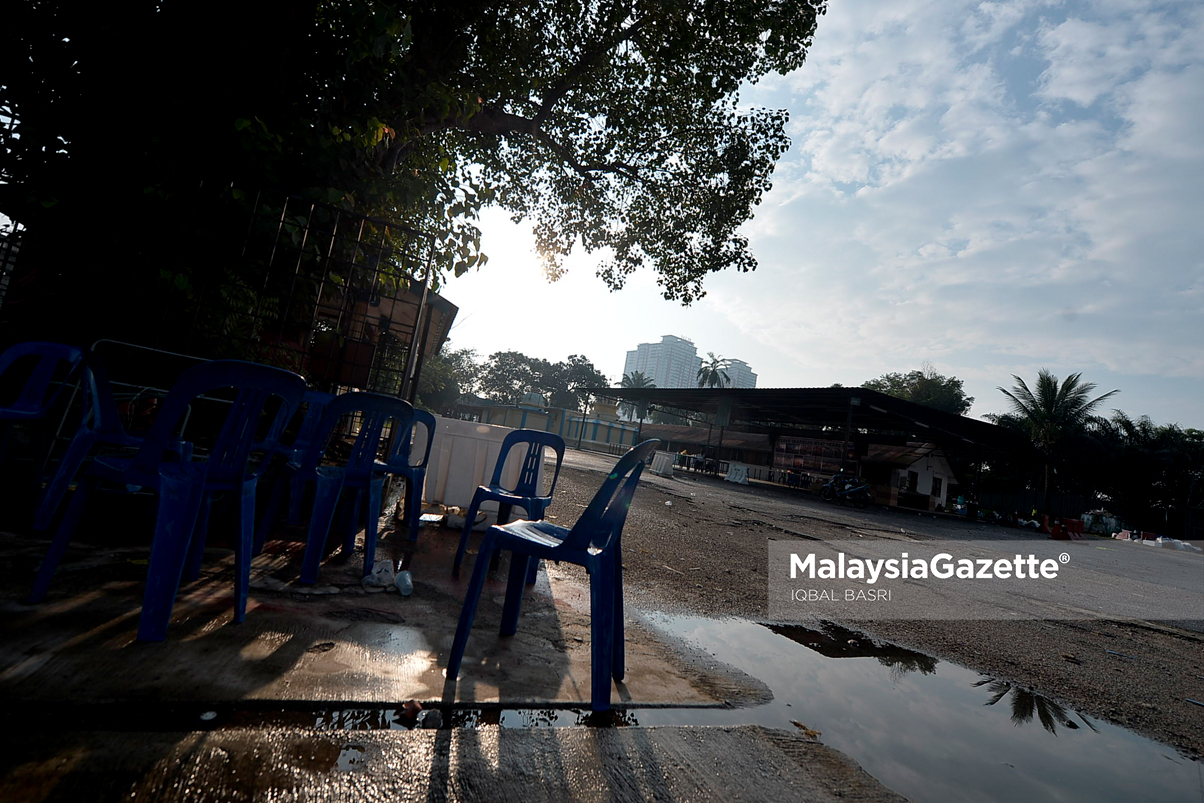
932, 731
351, 758
928, 729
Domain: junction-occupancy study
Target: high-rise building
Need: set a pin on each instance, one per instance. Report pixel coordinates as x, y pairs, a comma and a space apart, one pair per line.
741, 375
671, 363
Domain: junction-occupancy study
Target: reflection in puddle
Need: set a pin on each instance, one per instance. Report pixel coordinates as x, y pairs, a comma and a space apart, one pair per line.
834, 641
351, 758
923, 727
1027, 703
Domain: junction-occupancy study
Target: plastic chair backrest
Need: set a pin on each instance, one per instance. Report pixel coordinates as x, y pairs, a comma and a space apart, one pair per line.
100, 409
315, 402
36, 397
376, 410
255, 385
528, 475
603, 519
400, 459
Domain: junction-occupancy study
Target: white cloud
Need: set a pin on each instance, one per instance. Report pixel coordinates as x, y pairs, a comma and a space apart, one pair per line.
958, 220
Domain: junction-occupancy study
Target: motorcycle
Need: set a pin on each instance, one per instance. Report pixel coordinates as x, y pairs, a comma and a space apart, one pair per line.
848, 488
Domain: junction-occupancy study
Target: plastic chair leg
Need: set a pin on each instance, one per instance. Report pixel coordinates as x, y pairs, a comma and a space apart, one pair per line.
62, 537
243, 549
268, 519
180, 499
618, 645
414, 503
472, 596
196, 551
57, 487
532, 571
515, 586
470, 517
602, 613
326, 498
351, 520
371, 527
503, 516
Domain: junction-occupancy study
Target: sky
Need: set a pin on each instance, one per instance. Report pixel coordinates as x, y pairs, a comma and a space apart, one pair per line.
991, 188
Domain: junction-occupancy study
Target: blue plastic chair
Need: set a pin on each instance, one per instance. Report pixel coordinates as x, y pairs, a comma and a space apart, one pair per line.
100, 423
593, 542
525, 494
414, 473
186, 488
358, 474
315, 404
47, 361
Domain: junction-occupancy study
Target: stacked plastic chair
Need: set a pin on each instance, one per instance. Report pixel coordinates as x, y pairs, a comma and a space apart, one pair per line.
186, 488
100, 425
49, 365
357, 474
414, 474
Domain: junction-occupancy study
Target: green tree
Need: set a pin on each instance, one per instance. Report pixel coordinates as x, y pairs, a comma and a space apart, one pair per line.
926, 387
445, 377
1051, 413
507, 375
636, 379
615, 127
1149, 473
713, 372
572, 377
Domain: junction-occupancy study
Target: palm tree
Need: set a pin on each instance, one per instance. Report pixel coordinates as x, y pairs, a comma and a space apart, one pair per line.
713, 372
636, 379
1051, 412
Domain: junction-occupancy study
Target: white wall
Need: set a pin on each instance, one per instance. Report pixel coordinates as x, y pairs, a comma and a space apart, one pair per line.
928, 467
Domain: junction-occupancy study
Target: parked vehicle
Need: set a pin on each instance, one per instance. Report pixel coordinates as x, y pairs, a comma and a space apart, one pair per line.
846, 487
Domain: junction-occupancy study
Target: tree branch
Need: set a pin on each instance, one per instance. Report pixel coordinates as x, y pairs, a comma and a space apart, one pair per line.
587, 61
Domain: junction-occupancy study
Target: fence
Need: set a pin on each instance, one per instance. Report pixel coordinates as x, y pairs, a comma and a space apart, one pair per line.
10, 246
340, 297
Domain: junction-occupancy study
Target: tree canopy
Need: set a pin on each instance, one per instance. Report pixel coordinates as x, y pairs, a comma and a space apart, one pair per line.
636, 379
507, 375
1051, 410
925, 386
612, 126
446, 376
1052, 414
712, 373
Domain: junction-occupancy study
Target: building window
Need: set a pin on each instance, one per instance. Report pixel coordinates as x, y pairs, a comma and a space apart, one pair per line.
913, 481
937, 482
